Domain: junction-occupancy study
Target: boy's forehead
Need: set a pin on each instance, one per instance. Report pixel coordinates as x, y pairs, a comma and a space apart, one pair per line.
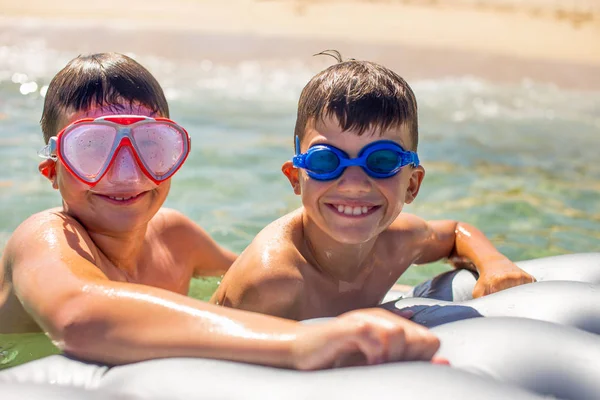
328, 130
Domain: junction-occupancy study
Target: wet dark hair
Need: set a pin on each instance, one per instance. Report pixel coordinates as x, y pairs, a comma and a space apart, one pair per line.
103, 79
361, 95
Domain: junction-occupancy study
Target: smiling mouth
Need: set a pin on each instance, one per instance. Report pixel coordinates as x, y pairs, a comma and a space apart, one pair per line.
122, 199
353, 211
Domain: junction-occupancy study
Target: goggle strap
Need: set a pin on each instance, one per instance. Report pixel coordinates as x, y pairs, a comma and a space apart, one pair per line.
298, 159
413, 158
49, 151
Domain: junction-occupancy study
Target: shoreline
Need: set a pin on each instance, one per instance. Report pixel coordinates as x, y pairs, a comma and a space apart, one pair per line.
490, 27
498, 41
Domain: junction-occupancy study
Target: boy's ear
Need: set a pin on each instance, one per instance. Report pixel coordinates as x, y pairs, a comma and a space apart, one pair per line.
416, 178
291, 173
48, 169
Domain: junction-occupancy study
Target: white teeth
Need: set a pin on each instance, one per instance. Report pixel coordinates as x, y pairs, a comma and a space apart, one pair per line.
348, 210
120, 198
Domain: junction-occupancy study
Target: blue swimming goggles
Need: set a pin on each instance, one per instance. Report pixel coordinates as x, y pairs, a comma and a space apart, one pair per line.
381, 159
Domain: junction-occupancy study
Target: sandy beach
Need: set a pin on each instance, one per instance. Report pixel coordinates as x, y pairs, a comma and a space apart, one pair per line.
504, 40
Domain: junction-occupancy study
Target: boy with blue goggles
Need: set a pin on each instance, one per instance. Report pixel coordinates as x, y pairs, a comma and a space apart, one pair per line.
349, 243
381, 159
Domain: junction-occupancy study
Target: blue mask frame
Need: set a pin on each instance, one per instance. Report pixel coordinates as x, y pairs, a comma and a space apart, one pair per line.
324, 162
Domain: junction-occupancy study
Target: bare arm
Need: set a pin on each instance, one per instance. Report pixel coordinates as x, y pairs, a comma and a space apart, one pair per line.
448, 239
91, 317
468, 248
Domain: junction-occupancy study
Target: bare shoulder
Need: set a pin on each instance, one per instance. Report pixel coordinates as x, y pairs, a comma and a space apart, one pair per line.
168, 219
193, 245
25, 244
46, 245
408, 225
178, 231
47, 229
282, 235
266, 277
402, 243
273, 252
49, 260
176, 226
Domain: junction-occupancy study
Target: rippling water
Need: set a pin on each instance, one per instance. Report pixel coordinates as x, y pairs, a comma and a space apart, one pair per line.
521, 162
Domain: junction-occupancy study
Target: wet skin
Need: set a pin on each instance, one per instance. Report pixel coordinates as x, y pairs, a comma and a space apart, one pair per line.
118, 226
106, 278
349, 243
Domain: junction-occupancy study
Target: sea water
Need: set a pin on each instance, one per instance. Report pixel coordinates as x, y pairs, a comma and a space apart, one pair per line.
520, 161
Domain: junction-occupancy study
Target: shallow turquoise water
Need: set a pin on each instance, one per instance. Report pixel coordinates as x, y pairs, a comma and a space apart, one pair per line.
518, 161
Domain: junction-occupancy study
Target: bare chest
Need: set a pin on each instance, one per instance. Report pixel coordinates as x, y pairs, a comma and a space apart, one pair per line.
159, 267
326, 298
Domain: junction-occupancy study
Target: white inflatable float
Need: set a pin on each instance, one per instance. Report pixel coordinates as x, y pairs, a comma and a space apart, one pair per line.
530, 342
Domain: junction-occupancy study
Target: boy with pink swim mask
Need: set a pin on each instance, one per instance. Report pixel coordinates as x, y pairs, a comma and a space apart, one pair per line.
106, 275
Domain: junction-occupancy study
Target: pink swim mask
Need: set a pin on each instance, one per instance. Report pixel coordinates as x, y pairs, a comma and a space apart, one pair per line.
89, 147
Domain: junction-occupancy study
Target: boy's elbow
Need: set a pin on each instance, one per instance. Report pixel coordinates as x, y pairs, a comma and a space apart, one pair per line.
75, 327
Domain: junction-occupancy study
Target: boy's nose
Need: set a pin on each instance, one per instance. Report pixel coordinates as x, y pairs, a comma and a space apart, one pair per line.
354, 179
125, 168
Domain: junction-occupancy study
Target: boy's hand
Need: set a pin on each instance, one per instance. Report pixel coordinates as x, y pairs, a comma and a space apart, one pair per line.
499, 275
364, 337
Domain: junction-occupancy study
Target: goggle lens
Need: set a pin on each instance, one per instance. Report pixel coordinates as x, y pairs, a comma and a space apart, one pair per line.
87, 147
322, 161
160, 147
383, 161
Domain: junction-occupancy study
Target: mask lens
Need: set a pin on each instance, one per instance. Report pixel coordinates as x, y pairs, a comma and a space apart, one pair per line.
322, 161
383, 161
86, 148
160, 146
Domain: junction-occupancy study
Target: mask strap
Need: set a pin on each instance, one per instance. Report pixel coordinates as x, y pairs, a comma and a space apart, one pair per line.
297, 145
49, 151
